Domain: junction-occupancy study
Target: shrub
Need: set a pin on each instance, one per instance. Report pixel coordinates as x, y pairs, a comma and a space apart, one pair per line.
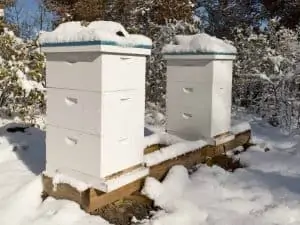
266, 77
22, 77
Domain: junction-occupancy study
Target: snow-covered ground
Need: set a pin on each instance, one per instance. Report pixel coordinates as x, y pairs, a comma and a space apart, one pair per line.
266, 192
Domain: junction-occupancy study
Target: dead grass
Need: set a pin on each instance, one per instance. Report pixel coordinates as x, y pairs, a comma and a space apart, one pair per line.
122, 211
227, 163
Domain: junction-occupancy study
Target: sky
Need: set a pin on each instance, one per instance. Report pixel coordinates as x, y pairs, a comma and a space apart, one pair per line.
26, 14
30, 4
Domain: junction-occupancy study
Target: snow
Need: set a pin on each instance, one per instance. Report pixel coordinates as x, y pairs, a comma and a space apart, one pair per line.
96, 31
127, 178
177, 146
18, 40
276, 60
239, 127
160, 137
24, 197
82, 183
263, 76
199, 43
59, 178
170, 196
172, 151
266, 192
27, 84
22, 159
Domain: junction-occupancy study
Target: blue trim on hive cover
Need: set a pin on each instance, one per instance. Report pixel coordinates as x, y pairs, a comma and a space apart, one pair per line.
199, 53
86, 43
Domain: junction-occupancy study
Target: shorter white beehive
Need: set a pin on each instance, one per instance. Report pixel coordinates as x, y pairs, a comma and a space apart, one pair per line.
199, 87
95, 103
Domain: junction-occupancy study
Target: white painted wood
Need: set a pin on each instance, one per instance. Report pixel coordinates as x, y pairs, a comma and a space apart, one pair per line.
122, 113
189, 94
121, 72
95, 111
189, 109
73, 149
122, 152
195, 73
110, 113
222, 97
73, 109
123, 126
95, 71
198, 95
188, 122
118, 119
94, 155
77, 71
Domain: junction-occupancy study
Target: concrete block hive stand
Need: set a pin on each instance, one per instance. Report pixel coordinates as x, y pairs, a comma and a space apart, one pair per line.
199, 83
95, 104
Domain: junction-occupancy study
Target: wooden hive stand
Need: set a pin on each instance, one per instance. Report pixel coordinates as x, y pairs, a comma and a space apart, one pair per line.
92, 200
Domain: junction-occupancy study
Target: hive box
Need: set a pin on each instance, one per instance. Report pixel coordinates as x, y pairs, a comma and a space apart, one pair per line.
95, 113
199, 95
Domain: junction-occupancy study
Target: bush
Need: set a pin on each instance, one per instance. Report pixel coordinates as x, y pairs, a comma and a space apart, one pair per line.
266, 77
22, 77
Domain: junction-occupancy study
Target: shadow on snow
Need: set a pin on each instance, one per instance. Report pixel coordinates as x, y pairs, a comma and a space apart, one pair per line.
28, 143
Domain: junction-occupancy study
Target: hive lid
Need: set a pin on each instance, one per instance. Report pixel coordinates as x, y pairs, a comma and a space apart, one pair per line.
199, 44
96, 33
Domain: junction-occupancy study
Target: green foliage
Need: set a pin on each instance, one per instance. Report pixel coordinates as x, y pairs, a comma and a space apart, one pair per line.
22, 78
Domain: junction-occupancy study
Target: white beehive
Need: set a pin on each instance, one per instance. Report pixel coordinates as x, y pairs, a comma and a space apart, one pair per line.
1, 11
198, 92
95, 111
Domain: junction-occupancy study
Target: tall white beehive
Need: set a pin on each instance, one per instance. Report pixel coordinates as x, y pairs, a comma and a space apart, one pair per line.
95, 108
1, 10
199, 83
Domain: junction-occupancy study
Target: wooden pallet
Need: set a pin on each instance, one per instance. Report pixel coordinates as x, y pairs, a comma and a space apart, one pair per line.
93, 200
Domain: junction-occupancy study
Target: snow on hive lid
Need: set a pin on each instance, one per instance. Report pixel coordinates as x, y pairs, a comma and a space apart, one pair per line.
96, 33
199, 44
